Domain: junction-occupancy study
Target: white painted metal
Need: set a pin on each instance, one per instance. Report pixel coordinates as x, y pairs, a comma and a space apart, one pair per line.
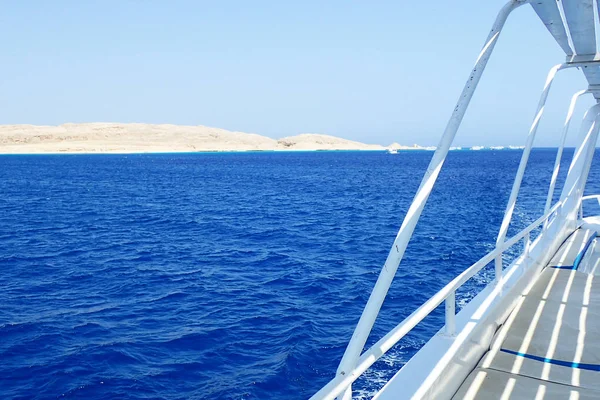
592, 74
557, 222
584, 198
371, 310
436, 370
549, 13
440, 366
563, 138
592, 196
579, 15
342, 381
588, 142
572, 192
582, 161
450, 308
527, 150
512, 200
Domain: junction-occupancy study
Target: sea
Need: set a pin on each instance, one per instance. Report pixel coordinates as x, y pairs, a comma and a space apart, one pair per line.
232, 275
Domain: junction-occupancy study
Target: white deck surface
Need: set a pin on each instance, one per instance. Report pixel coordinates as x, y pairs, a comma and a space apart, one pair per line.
549, 347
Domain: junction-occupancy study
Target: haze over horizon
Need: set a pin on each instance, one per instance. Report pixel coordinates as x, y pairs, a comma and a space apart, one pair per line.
376, 73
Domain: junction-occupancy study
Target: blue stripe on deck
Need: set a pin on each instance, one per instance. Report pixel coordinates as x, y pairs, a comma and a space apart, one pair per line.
589, 367
579, 256
582, 253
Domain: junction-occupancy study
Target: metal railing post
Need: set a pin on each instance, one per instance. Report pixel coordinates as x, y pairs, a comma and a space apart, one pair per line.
574, 186
371, 310
450, 306
522, 165
498, 268
342, 382
561, 147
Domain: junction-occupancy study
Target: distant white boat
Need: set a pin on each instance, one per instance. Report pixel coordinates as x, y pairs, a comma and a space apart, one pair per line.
392, 151
497, 147
455, 148
477, 148
516, 147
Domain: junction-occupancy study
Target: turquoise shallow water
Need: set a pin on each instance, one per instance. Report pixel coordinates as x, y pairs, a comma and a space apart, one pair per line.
235, 276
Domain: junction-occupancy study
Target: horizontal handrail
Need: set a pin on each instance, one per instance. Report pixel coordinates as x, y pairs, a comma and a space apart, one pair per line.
591, 196
584, 198
369, 357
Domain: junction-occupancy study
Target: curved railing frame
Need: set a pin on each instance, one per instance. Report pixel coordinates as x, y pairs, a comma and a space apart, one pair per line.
447, 294
353, 361
584, 198
561, 147
386, 276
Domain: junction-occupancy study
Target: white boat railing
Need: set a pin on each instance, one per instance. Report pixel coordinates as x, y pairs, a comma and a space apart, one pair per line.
529, 145
561, 147
584, 198
514, 193
353, 362
447, 294
367, 319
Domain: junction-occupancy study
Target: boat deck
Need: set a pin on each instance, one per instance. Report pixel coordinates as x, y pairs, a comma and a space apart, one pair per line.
549, 347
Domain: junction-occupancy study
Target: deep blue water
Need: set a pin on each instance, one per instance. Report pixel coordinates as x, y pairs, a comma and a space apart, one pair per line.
229, 276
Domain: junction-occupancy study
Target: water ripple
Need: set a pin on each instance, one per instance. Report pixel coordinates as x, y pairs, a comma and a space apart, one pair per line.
239, 276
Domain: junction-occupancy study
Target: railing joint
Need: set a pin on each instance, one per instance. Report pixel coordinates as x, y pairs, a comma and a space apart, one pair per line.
450, 307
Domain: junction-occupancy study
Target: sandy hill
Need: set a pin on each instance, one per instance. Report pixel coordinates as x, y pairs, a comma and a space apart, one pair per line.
141, 138
313, 141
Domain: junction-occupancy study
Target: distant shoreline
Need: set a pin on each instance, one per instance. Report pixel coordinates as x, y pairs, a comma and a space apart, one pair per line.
153, 138
465, 149
203, 152
136, 138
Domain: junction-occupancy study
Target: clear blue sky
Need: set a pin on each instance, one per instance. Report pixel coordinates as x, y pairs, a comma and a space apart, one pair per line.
377, 72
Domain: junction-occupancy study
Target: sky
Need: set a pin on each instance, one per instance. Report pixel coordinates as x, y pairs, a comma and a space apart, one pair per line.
377, 72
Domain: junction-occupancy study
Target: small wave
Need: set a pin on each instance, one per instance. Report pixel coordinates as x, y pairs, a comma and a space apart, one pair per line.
230, 276
169, 296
